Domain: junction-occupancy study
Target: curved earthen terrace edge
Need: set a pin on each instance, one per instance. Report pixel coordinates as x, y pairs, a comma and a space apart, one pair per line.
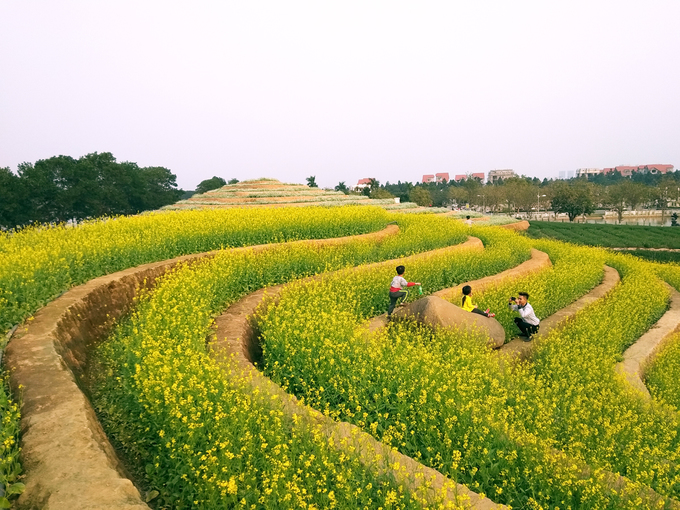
67, 458
235, 340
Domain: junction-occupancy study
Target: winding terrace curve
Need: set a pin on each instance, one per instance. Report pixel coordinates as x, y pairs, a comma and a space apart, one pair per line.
67, 458
236, 339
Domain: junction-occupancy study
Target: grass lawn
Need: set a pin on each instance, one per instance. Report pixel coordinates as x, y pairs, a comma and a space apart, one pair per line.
611, 236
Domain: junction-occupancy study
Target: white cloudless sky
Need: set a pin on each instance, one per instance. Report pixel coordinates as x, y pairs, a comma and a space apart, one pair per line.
342, 90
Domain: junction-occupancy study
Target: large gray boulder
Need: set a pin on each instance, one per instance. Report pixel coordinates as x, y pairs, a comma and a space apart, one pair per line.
435, 311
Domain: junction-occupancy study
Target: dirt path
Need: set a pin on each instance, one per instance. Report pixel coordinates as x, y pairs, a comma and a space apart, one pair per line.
538, 261
67, 459
638, 355
236, 341
519, 349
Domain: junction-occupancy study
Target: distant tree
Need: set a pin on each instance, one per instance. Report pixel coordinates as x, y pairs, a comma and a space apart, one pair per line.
635, 193
62, 188
381, 193
421, 196
12, 199
233, 181
521, 193
160, 186
626, 194
574, 199
210, 184
614, 198
472, 186
342, 187
457, 195
311, 181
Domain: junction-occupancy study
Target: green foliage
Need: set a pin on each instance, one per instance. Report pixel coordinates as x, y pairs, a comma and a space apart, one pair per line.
10, 467
550, 289
663, 375
420, 196
210, 184
38, 264
202, 439
63, 188
525, 436
311, 181
612, 236
656, 255
574, 199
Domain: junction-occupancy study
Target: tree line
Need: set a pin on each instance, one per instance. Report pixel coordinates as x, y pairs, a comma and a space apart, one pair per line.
575, 197
62, 188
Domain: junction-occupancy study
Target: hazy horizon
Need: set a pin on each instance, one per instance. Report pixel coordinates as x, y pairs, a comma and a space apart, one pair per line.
341, 91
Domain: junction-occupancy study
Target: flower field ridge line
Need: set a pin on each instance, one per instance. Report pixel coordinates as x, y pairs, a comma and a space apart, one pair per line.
235, 346
518, 349
66, 454
639, 355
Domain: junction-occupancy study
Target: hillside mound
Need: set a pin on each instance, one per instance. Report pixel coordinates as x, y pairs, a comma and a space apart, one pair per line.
273, 193
435, 311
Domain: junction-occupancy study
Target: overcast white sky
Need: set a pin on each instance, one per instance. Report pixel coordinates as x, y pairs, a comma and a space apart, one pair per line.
342, 90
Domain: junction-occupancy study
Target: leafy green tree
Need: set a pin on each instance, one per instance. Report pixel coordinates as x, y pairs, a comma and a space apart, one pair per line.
311, 181
421, 196
62, 188
210, 184
342, 187
381, 193
12, 199
457, 195
574, 199
233, 181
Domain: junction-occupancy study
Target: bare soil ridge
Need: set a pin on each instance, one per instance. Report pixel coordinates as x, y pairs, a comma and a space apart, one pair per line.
637, 357
539, 260
236, 339
519, 349
67, 458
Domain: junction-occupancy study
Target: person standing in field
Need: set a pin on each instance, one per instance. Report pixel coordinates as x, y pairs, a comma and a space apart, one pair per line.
468, 306
397, 291
528, 323
468, 221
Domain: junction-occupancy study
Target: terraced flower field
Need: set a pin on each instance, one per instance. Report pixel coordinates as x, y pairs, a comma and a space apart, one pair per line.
272, 193
561, 430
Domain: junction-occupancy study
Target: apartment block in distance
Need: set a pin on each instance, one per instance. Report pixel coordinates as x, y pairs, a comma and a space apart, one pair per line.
442, 177
495, 175
477, 175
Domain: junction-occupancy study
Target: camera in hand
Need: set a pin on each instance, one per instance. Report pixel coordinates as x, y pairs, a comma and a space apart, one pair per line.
513, 298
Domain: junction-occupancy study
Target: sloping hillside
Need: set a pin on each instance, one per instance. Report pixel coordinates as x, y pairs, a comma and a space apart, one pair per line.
273, 193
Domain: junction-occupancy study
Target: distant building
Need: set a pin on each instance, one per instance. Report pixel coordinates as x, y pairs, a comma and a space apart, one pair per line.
428, 178
566, 174
363, 183
495, 175
587, 172
627, 171
444, 177
476, 175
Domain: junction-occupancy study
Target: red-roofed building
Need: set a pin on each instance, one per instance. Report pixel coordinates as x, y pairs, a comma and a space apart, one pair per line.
444, 177
627, 171
428, 178
364, 183
475, 175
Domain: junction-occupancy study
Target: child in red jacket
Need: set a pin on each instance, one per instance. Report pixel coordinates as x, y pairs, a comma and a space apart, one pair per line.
397, 291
